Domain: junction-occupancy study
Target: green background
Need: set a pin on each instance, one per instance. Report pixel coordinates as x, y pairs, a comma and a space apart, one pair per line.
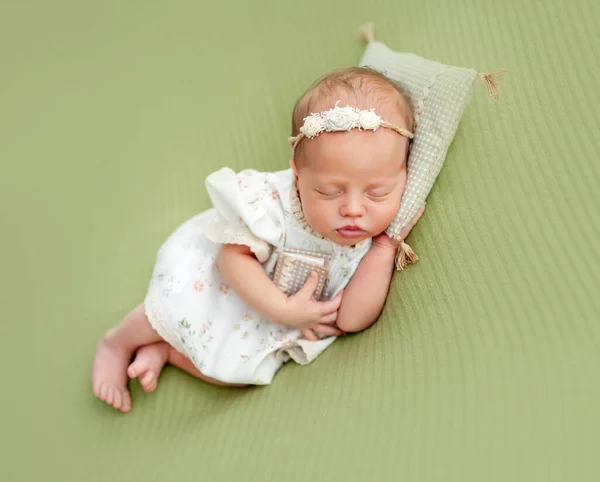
484, 365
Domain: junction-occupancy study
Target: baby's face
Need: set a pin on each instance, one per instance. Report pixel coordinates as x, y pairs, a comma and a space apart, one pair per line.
351, 183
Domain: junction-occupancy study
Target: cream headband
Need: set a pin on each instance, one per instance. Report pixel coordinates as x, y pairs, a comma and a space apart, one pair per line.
343, 119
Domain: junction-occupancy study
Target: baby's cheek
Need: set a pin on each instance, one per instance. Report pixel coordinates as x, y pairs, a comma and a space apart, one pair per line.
317, 216
386, 214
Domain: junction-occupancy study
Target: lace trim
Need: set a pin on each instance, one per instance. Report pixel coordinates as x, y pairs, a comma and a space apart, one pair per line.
296, 207
303, 351
219, 232
421, 100
160, 324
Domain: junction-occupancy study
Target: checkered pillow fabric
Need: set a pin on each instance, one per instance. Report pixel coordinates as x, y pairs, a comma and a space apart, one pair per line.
439, 94
293, 267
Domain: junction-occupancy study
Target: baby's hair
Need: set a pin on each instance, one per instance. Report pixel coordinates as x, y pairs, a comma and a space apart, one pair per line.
362, 84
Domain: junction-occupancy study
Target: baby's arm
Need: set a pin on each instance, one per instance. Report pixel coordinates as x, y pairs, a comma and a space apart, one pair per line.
242, 271
240, 268
365, 295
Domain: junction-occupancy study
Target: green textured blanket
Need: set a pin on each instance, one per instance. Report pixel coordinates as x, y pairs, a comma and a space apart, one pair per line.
484, 364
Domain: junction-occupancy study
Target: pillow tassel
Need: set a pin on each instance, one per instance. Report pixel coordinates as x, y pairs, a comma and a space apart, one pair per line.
405, 255
492, 80
366, 33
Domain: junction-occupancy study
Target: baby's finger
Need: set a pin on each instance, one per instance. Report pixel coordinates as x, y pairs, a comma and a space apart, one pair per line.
329, 319
420, 212
328, 330
308, 290
407, 229
310, 335
331, 306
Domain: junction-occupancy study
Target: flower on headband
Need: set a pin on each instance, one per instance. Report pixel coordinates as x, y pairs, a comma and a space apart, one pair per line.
369, 120
340, 119
313, 126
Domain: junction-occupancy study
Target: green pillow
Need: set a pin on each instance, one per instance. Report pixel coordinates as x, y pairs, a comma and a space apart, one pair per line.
439, 94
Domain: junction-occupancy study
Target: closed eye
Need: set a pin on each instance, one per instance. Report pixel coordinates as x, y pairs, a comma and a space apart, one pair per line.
327, 193
378, 195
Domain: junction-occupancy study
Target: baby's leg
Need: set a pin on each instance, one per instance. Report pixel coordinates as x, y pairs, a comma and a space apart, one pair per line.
181, 361
113, 355
150, 360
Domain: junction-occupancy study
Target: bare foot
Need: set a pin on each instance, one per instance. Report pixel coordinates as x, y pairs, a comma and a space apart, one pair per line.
109, 376
148, 363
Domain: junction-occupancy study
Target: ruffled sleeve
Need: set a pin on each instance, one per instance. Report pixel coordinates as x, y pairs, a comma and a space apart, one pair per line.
248, 210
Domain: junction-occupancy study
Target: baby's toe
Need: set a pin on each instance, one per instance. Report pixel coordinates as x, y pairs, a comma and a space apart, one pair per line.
118, 400
126, 405
110, 397
103, 392
151, 386
148, 381
137, 368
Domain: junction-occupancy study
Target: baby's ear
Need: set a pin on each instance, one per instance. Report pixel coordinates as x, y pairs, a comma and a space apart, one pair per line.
294, 167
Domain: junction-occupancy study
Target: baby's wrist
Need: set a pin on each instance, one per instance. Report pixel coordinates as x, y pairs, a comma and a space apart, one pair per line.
383, 241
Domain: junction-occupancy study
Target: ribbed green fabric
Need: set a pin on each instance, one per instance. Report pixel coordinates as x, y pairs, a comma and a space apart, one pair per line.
484, 365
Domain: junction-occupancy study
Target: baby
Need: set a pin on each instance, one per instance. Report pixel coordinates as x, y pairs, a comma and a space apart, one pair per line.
212, 307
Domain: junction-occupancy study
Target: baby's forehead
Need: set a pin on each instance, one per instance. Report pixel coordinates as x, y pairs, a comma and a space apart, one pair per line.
372, 155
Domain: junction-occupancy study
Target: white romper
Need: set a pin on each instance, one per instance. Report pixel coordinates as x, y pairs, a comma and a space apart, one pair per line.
193, 308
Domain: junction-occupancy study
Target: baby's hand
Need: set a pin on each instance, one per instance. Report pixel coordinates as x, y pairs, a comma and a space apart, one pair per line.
413, 221
313, 317
384, 241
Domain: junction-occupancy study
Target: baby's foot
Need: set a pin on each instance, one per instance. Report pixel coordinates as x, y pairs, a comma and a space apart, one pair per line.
109, 376
148, 363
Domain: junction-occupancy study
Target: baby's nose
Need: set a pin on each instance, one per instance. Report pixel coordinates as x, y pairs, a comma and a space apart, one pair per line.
353, 207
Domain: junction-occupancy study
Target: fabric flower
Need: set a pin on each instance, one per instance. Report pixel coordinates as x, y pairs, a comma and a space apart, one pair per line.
340, 119
369, 120
313, 126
